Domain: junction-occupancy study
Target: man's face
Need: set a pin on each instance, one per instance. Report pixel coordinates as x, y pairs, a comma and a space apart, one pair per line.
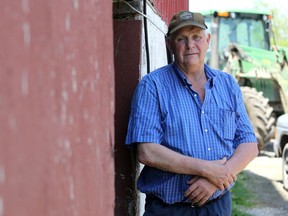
189, 46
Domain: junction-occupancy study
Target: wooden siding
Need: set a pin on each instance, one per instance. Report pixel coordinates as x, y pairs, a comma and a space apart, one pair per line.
167, 8
57, 108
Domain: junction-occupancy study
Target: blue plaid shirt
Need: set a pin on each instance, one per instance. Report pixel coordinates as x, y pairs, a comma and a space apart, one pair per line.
167, 111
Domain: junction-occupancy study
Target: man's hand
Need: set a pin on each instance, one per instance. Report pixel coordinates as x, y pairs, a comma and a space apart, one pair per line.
160, 157
199, 191
218, 174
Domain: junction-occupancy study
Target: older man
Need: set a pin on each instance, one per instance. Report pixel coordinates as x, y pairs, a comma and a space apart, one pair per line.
190, 127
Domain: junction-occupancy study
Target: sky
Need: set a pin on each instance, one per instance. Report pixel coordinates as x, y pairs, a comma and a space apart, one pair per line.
196, 5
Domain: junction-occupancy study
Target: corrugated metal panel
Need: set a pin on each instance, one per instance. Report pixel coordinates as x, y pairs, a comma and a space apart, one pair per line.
57, 108
167, 8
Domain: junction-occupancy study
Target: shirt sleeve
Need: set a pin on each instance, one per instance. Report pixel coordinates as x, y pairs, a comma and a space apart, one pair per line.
244, 132
145, 116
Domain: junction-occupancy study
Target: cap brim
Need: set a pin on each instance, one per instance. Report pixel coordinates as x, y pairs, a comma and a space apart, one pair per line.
204, 27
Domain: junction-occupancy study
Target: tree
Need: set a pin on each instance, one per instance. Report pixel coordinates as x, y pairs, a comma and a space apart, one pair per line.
279, 23
279, 28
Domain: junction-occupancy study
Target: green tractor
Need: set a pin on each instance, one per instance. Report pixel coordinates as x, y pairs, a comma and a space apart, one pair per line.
240, 45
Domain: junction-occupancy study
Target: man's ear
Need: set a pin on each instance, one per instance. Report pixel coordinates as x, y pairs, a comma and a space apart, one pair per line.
169, 45
208, 38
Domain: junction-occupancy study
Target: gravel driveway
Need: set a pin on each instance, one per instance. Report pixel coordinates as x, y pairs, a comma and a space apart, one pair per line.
266, 172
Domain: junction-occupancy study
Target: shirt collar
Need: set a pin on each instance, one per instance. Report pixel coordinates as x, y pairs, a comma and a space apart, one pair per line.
208, 71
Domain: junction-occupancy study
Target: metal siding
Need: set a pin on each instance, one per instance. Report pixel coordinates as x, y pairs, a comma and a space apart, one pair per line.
57, 107
167, 8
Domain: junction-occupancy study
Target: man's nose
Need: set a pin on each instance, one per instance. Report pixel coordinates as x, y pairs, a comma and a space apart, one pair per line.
190, 43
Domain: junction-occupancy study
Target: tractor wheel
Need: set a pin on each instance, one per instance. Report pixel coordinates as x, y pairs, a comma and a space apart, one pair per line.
260, 114
285, 167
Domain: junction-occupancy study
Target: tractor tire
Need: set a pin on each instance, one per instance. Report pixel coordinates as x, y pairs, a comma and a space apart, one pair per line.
285, 167
260, 114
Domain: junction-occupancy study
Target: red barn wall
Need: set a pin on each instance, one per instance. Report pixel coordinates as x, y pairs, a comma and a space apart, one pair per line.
57, 108
128, 50
127, 60
167, 8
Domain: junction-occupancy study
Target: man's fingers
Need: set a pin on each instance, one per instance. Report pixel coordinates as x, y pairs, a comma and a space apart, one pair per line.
195, 196
193, 180
221, 187
222, 161
202, 201
189, 191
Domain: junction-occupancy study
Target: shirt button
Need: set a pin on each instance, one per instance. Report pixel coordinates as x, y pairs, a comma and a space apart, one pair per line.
195, 95
202, 112
209, 149
206, 130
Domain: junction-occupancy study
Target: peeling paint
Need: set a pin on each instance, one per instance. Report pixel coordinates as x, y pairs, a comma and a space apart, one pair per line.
112, 108
72, 195
96, 65
71, 120
107, 136
26, 34
84, 83
67, 147
12, 123
65, 96
65, 151
45, 69
2, 174
67, 22
63, 116
92, 86
98, 156
74, 80
75, 4
83, 87
1, 206
24, 84
70, 56
71, 188
97, 76
85, 115
25, 6
89, 141
2, 180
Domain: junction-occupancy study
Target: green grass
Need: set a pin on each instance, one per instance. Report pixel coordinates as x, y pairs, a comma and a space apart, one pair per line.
242, 197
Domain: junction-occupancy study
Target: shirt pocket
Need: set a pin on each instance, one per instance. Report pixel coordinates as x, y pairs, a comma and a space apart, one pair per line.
229, 121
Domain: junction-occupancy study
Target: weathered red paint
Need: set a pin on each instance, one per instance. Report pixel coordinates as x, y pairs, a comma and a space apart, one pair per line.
127, 54
57, 107
128, 47
168, 7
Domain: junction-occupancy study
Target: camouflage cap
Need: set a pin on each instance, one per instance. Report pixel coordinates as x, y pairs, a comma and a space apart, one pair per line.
186, 18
